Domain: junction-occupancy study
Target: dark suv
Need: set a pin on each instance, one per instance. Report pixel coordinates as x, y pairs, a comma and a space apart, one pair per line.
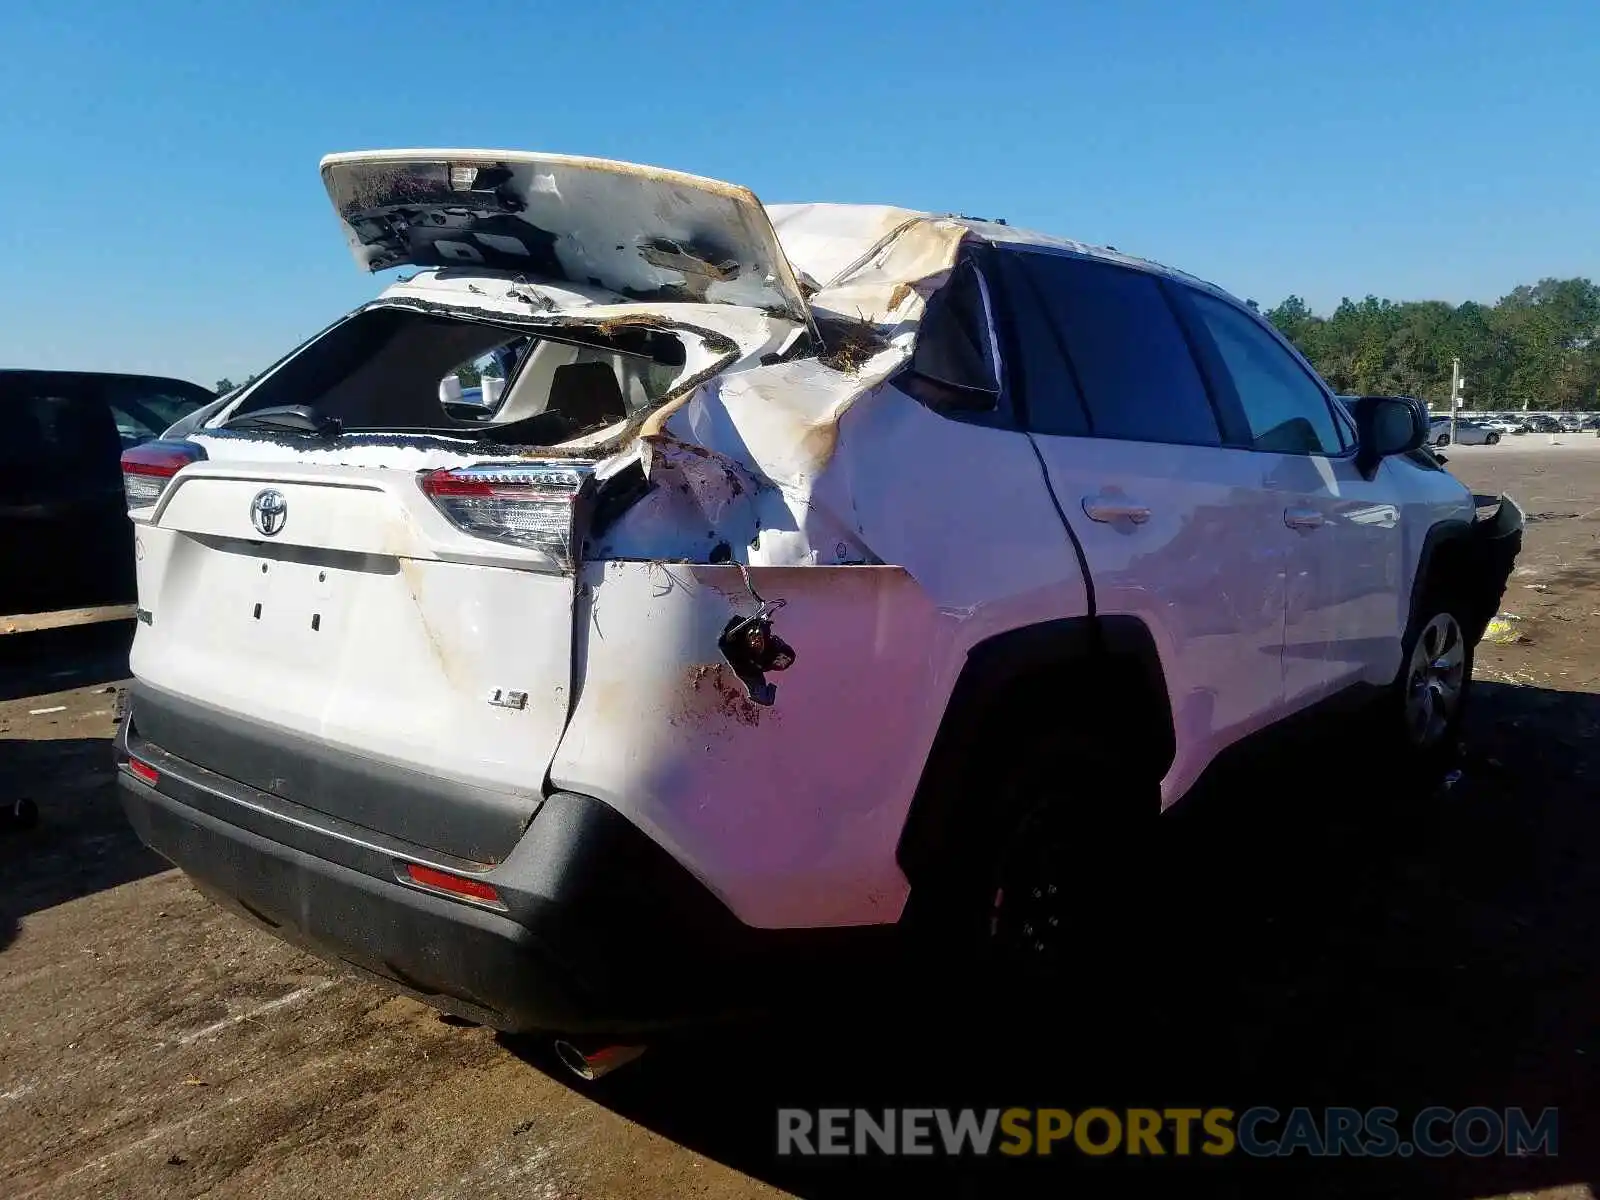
64, 533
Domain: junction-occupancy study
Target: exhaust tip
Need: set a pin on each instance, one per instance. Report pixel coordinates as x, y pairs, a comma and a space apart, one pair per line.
595, 1064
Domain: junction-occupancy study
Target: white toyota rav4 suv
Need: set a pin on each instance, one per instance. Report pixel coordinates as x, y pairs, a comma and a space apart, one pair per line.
657, 584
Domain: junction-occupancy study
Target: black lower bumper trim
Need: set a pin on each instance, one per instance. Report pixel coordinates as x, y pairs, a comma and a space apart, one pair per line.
602, 930
474, 963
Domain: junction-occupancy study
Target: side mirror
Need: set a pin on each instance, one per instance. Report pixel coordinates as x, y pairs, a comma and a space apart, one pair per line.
1386, 426
450, 389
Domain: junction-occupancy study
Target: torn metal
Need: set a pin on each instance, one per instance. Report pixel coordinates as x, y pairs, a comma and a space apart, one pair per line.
792, 318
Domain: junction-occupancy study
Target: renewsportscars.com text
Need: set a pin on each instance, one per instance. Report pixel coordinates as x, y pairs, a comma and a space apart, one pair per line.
1259, 1132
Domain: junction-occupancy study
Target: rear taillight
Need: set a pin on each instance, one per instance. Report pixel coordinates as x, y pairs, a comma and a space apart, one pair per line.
144, 771
148, 468
525, 504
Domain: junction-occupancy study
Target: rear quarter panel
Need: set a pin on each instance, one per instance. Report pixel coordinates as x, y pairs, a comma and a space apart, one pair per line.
792, 814
789, 813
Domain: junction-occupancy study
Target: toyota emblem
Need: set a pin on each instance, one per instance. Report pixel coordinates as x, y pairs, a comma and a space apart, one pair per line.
268, 511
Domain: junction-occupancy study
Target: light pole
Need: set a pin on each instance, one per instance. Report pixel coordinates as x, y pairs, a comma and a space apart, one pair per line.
1457, 383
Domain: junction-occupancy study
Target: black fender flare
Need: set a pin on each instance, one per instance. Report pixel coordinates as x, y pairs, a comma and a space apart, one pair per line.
1475, 557
1005, 690
1443, 539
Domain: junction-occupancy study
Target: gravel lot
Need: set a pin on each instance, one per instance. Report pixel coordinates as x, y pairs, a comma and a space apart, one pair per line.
1320, 940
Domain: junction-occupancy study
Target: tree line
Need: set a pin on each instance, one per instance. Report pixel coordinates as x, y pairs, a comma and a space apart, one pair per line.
1537, 347
225, 385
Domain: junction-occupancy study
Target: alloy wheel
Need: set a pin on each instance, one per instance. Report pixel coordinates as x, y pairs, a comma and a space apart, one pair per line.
1435, 680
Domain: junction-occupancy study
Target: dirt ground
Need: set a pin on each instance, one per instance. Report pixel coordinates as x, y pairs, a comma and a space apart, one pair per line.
1319, 939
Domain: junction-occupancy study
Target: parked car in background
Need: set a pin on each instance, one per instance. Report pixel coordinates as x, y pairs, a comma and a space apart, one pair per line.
1467, 433
1502, 424
65, 541
1539, 423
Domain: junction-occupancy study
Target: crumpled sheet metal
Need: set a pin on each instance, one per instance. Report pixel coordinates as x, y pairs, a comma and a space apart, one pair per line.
821, 240
783, 418
893, 286
779, 423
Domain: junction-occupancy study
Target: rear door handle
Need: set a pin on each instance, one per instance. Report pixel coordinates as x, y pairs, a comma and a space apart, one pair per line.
1302, 518
1114, 508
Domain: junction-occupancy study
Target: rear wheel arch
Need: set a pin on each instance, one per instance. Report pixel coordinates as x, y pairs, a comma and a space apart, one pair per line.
1087, 676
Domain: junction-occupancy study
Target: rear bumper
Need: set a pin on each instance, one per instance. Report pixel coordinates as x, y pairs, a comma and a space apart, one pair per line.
475, 964
599, 930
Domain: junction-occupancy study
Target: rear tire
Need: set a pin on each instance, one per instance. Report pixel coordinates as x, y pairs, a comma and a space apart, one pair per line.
1052, 895
1442, 440
1493, 439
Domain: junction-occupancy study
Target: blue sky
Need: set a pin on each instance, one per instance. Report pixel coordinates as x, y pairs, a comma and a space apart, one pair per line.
163, 210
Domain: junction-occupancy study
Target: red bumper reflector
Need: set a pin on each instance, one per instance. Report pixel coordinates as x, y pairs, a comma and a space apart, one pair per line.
443, 881
144, 771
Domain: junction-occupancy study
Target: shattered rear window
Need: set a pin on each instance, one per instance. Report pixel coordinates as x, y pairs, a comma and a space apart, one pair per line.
391, 368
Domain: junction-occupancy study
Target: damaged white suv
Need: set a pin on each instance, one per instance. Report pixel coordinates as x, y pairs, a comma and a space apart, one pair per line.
658, 584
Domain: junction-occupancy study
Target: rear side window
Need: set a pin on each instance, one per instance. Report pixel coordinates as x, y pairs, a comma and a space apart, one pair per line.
1103, 353
1284, 409
474, 390
955, 367
145, 408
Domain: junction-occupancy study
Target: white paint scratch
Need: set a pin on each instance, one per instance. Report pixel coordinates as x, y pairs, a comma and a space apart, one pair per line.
251, 1014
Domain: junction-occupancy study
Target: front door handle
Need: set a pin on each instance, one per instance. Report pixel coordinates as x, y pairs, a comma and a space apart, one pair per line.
1302, 518
1114, 508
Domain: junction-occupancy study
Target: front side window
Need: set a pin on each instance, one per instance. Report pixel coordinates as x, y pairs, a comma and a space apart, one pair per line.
1103, 353
1284, 410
